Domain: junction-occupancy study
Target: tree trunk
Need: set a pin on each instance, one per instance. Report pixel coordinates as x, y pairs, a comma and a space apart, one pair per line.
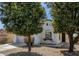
63, 37
29, 43
71, 42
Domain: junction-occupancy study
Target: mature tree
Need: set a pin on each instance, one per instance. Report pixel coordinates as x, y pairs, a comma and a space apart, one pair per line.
49, 4
66, 20
22, 18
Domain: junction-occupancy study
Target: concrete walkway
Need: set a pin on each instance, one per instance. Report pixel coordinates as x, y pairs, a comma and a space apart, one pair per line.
5, 47
12, 50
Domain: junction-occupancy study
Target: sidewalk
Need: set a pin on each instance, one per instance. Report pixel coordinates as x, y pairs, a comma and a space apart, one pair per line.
5, 47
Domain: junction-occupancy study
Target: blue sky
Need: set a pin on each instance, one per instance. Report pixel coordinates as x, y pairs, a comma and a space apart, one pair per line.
1, 25
47, 10
48, 16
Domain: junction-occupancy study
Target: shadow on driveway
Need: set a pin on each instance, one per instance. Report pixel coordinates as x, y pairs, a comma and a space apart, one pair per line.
66, 53
24, 54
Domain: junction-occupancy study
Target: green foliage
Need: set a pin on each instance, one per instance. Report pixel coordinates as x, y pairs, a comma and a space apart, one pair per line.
66, 16
22, 18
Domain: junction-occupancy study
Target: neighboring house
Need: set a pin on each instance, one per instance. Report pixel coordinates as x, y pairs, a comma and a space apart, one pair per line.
3, 36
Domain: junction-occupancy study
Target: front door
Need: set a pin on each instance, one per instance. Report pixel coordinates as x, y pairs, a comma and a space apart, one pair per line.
48, 38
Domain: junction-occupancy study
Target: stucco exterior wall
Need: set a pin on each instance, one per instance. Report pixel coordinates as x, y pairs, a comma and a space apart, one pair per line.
38, 38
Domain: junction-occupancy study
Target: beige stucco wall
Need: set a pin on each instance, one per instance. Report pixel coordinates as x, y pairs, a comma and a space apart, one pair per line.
57, 36
10, 38
67, 38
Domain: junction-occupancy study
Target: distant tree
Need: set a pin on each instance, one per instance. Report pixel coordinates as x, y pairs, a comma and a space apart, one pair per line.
22, 18
66, 20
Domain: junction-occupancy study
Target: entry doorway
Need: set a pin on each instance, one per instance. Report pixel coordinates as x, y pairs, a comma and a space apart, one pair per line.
48, 38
